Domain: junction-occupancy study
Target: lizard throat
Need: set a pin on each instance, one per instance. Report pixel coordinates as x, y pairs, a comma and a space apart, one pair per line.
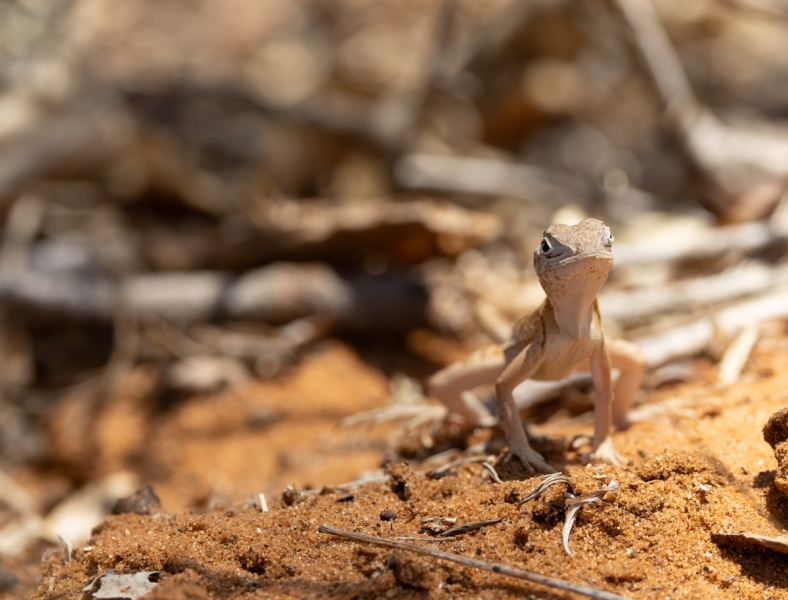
576, 318
572, 300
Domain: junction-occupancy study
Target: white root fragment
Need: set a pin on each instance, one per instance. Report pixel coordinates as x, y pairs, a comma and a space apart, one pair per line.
66, 548
737, 354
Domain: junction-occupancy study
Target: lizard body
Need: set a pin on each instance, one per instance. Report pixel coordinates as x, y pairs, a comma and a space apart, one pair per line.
563, 335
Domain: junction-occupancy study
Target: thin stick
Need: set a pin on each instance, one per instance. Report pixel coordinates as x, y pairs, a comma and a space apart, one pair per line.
658, 52
478, 564
414, 538
462, 529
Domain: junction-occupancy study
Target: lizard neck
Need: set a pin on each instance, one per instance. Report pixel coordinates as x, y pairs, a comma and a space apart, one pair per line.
574, 311
571, 290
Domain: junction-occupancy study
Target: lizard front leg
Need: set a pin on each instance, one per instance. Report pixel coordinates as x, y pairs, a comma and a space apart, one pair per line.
602, 448
518, 370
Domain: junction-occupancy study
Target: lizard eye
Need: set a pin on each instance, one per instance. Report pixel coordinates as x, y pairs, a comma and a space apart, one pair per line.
550, 247
607, 239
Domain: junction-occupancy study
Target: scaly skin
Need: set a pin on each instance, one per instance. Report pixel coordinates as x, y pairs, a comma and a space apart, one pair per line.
563, 335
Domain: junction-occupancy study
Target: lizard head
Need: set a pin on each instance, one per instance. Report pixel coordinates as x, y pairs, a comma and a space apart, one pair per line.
572, 262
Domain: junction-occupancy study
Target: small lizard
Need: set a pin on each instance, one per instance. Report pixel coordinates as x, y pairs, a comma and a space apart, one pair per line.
563, 335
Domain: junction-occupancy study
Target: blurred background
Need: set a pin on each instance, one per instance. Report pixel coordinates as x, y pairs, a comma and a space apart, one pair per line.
224, 218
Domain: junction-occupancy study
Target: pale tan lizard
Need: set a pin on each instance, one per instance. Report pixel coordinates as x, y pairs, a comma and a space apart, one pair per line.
563, 335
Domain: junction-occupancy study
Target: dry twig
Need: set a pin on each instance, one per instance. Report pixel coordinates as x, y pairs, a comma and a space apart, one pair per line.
468, 527
475, 563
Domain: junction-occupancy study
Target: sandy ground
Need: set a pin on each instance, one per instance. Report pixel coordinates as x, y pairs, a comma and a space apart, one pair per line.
704, 472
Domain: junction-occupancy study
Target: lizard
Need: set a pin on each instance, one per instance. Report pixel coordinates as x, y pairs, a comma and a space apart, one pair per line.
563, 335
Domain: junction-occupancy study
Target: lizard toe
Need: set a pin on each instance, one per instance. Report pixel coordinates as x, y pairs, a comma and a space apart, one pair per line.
532, 461
607, 453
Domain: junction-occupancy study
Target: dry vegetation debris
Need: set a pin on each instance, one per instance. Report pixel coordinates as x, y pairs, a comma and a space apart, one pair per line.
227, 225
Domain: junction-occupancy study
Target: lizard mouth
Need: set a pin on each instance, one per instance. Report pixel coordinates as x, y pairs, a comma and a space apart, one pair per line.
604, 260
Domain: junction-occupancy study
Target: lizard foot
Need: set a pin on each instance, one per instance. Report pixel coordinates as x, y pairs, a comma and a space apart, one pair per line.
532, 460
607, 453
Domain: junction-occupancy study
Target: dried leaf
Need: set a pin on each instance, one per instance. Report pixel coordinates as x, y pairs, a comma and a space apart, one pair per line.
126, 587
576, 505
